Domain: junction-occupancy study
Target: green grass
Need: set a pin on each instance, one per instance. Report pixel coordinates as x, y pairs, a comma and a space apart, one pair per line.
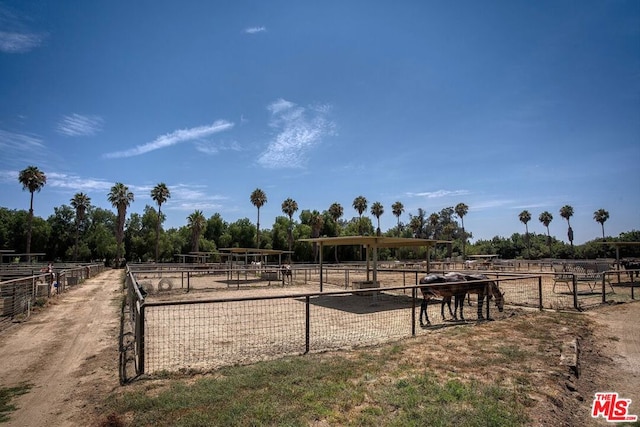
338, 390
6, 396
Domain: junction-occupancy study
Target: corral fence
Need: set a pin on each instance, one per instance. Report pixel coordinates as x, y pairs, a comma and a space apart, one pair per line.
174, 322
31, 287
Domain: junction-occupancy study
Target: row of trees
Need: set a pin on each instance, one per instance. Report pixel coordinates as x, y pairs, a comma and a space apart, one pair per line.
82, 232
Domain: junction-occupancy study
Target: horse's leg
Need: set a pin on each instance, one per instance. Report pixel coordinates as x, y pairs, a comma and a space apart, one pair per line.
446, 300
423, 309
460, 304
480, 305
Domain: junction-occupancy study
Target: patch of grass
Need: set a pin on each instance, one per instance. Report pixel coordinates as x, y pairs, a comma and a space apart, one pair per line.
40, 302
512, 353
6, 395
336, 390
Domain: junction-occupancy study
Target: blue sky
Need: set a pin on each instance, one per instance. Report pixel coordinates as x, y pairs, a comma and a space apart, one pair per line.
502, 105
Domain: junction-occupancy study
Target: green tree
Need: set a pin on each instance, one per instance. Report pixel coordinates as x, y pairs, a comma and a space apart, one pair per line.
336, 211
160, 194
217, 227
120, 198
258, 199
397, 208
80, 202
32, 179
360, 205
196, 223
545, 218
601, 216
317, 221
461, 210
377, 210
289, 207
566, 212
525, 217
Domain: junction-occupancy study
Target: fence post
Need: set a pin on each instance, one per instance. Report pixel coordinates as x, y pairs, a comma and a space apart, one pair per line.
413, 311
307, 314
540, 293
604, 296
575, 292
140, 338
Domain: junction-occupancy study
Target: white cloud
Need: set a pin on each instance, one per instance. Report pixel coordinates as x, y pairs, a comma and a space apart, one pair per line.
10, 141
60, 180
173, 138
188, 198
209, 147
79, 125
19, 42
298, 130
439, 193
254, 30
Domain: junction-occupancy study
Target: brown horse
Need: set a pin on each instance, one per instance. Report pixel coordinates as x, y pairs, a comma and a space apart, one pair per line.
443, 287
456, 285
485, 288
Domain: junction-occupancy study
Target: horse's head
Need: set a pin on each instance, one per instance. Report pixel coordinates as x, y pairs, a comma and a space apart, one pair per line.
499, 296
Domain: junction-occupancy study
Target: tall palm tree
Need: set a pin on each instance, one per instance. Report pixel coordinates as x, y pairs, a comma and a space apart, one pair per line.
160, 194
289, 207
433, 220
336, 211
32, 179
197, 223
566, 212
120, 198
461, 210
258, 199
80, 202
360, 205
317, 221
397, 208
377, 210
601, 216
545, 218
525, 217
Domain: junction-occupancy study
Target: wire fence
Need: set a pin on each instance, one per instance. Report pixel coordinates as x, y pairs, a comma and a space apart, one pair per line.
19, 296
204, 321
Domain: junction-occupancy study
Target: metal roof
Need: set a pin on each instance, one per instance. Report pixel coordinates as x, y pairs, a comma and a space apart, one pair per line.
374, 241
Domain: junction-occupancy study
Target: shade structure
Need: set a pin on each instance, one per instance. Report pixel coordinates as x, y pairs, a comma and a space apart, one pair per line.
373, 243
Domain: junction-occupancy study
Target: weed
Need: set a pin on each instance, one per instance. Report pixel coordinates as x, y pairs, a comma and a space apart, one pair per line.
6, 395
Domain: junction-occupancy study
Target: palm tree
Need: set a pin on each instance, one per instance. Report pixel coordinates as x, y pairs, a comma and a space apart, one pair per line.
433, 221
258, 199
160, 194
601, 216
80, 202
120, 198
32, 179
461, 210
197, 223
545, 218
317, 221
397, 208
336, 211
360, 205
377, 210
289, 207
525, 217
566, 212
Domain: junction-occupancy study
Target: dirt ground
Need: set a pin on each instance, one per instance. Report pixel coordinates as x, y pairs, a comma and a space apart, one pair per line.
68, 352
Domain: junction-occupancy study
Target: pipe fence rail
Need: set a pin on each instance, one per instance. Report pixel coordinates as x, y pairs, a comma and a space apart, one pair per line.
19, 296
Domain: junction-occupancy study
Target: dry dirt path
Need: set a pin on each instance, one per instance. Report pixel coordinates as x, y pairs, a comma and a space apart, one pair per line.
67, 352
619, 334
